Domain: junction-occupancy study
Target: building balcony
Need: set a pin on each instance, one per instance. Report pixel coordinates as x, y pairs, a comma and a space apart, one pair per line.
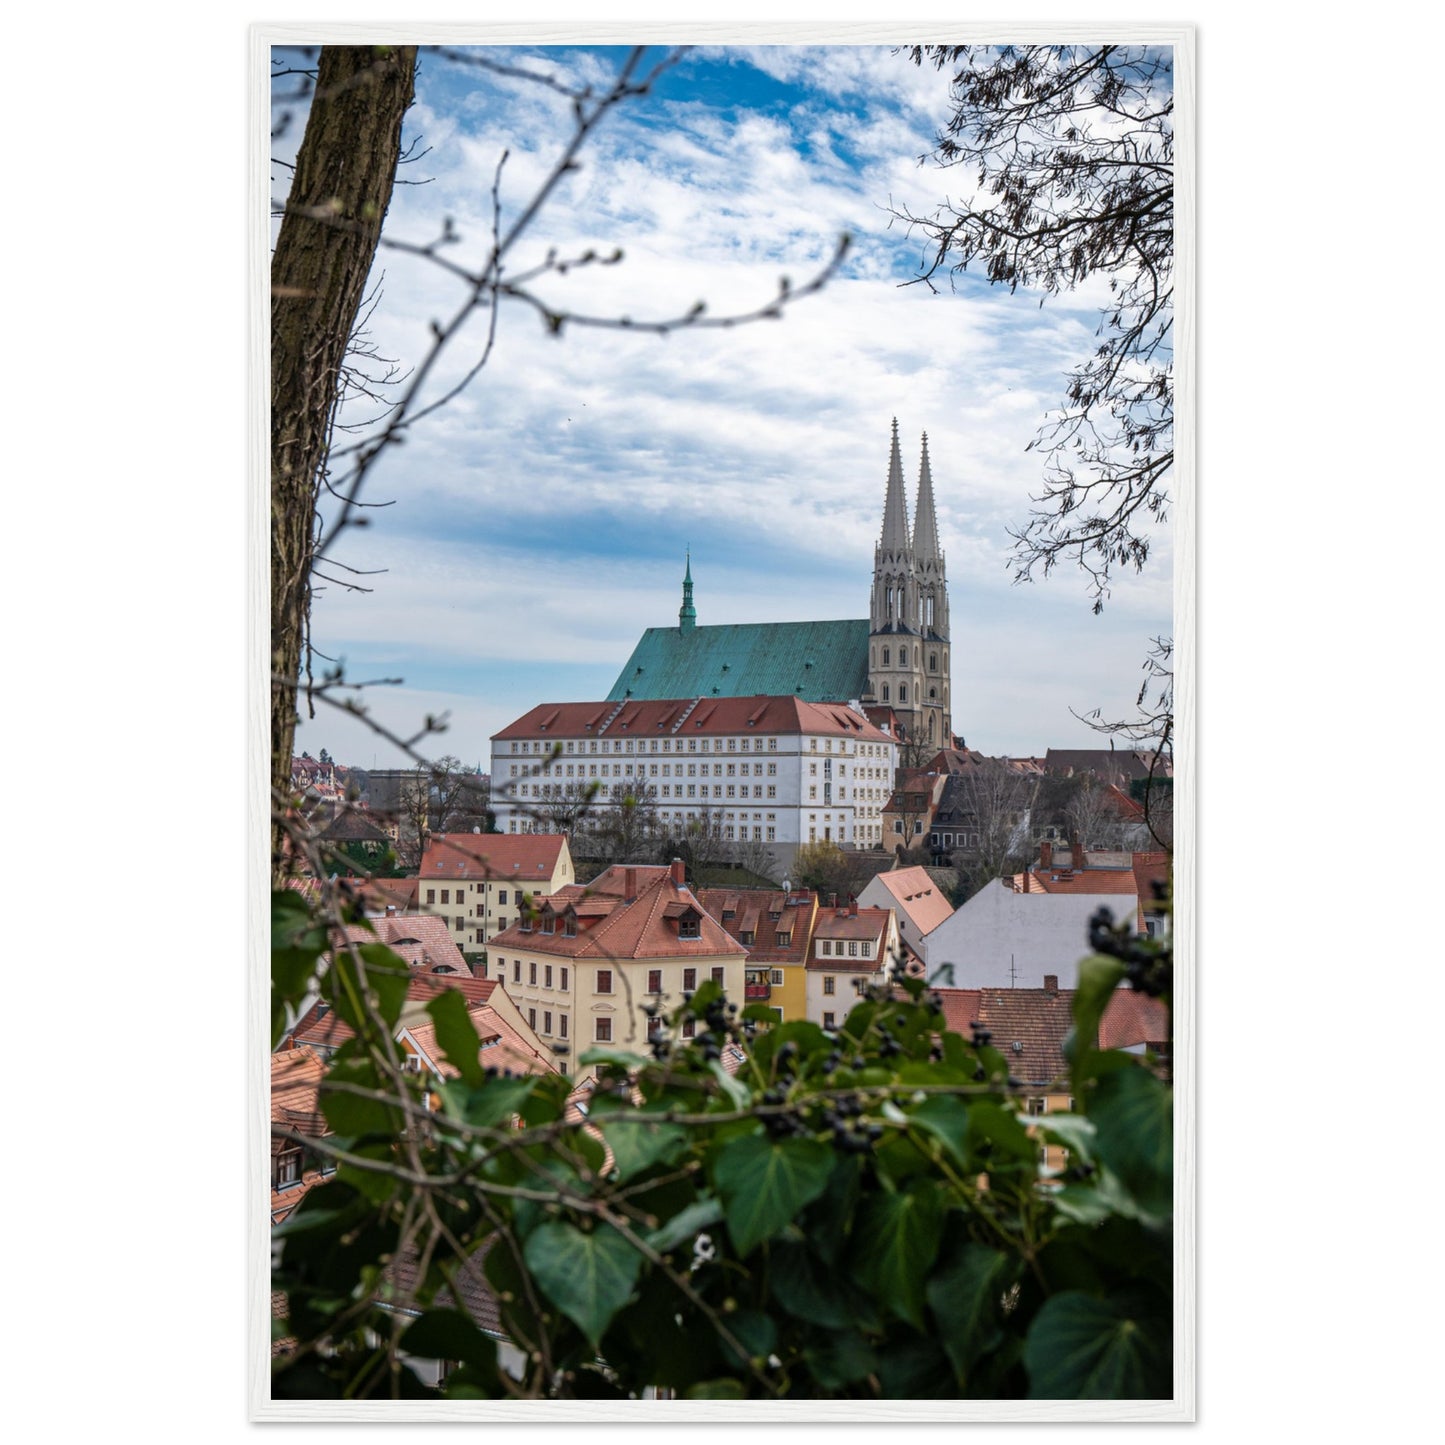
753, 992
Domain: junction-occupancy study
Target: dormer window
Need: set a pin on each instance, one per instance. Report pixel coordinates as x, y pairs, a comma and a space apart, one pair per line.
689, 926
286, 1169
549, 921
569, 924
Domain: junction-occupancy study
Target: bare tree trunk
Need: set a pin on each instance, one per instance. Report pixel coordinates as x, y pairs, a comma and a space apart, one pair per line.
328, 238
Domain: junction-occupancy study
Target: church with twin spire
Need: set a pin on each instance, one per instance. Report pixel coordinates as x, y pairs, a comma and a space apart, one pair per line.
897, 658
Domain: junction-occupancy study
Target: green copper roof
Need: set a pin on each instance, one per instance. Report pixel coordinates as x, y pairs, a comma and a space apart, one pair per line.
816, 661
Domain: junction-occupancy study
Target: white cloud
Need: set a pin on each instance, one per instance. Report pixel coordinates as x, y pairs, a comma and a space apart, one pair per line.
778, 429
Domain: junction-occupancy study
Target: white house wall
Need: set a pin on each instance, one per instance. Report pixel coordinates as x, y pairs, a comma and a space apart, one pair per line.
1003, 939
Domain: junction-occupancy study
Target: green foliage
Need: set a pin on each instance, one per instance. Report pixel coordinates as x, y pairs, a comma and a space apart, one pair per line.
853, 1214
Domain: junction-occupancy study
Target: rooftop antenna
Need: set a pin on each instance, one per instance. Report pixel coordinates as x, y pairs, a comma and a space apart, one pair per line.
1013, 977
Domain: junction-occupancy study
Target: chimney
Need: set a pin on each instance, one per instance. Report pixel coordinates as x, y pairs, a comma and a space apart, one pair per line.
629, 885
832, 900
391, 910
852, 906
1051, 983
679, 873
1046, 855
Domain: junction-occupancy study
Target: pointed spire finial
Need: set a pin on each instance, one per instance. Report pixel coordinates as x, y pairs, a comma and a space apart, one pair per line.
687, 613
894, 537
925, 523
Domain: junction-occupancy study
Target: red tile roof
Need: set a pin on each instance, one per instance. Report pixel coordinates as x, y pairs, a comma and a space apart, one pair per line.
691, 717
1132, 1019
1040, 1019
503, 1046
844, 924
637, 929
752, 910
479, 856
1076, 880
295, 1078
421, 940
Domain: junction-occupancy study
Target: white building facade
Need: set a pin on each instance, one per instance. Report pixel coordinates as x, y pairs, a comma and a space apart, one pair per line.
772, 770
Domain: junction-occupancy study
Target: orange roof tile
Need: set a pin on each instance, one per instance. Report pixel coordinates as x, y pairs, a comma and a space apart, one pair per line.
918, 896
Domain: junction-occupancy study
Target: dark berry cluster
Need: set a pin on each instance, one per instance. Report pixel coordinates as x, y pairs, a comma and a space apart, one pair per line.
1148, 962
852, 1133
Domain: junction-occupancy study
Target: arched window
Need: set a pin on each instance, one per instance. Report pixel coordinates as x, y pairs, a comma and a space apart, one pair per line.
885, 657
930, 609
933, 694
933, 662
885, 692
902, 692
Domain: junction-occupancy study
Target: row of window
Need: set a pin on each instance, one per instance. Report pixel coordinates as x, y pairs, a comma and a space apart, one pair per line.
573, 748
856, 948
563, 982
903, 654
603, 979
628, 745
446, 896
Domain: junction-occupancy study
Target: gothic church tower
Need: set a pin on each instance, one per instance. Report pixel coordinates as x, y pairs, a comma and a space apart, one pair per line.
908, 649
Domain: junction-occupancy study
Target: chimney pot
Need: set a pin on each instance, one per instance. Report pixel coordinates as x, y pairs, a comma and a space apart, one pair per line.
1051, 982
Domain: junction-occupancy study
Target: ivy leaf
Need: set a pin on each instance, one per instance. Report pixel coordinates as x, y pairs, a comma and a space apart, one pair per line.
946, 1118
589, 1277
1080, 1347
716, 1390
637, 1145
444, 1334
964, 1296
457, 1036
840, 1359
1133, 1115
764, 1183
497, 1101
628, 1062
899, 1234
1098, 978
685, 1225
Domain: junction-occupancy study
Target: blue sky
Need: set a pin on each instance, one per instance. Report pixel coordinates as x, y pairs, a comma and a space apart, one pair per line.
539, 523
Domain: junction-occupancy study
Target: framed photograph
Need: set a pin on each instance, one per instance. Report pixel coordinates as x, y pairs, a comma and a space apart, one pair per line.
724, 925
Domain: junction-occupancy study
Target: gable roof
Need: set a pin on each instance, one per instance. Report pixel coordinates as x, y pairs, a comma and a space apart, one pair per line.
530, 857
917, 895
816, 661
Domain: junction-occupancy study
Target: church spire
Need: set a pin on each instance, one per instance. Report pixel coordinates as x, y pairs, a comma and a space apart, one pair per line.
687, 613
895, 512
925, 523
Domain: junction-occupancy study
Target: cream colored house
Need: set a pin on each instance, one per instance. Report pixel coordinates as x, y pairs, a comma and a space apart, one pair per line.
583, 970
478, 882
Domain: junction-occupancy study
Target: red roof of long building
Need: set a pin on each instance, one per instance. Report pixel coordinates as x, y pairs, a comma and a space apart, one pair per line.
690, 717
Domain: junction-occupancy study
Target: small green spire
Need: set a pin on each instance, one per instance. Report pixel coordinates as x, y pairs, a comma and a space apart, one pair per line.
687, 613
